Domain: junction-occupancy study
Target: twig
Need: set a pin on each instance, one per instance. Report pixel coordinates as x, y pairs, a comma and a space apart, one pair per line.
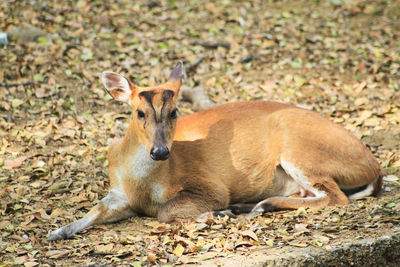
150, 4
247, 59
15, 84
213, 45
377, 219
192, 66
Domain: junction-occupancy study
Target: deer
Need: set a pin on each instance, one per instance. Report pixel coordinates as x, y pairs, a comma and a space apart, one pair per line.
244, 157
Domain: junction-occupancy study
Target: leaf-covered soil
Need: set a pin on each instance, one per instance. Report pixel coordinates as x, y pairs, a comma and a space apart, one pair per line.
339, 58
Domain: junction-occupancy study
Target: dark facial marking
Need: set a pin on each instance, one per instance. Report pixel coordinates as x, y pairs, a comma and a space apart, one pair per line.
148, 95
168, 94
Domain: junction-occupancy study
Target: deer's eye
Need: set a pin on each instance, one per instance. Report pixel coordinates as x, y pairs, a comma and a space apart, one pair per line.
140, 114
173, 114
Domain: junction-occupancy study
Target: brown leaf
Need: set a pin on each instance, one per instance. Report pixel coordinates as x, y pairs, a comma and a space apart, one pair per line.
105, 249
30, 264
88, 75
361, 101
40, 92
301, 227
20, 260
151, 257
4, 224
250, 234
360, 87
14, 163
56, 254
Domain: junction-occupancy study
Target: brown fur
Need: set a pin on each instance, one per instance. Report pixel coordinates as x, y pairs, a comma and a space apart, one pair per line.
229, 153
232, 153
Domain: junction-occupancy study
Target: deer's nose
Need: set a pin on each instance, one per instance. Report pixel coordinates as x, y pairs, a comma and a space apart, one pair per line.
159, 153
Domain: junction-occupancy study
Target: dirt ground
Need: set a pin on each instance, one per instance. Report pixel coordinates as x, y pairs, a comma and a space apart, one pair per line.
340, 58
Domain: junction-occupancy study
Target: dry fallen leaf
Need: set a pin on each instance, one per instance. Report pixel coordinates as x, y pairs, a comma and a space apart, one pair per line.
105, 248
301, 227
14, 163
56, 254
250, 233
151, 257
178, 250
30, 264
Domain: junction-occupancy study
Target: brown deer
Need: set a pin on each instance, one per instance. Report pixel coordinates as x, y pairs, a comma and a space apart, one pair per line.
248, 156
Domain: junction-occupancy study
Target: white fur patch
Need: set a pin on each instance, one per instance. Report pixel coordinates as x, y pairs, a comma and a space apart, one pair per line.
157, 192
300, 178
364, 193
118, 174
116, 199
142, 164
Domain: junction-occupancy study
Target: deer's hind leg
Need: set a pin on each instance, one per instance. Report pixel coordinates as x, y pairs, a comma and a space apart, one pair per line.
112, 208
314, 192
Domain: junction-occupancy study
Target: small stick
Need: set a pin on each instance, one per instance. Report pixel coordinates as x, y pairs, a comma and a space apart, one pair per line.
247, 59
15, 84
192, 66
213, 45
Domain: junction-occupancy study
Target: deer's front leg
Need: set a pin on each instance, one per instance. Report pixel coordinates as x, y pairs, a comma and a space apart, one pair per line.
112, 208
189, 203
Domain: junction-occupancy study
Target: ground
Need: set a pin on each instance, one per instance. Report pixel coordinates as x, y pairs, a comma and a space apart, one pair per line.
340, 58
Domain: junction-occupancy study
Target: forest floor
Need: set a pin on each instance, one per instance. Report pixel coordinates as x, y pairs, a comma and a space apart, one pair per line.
340, 58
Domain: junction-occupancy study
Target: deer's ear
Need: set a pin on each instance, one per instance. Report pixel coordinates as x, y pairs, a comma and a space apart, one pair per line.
175, 79
117, 85
176, 74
